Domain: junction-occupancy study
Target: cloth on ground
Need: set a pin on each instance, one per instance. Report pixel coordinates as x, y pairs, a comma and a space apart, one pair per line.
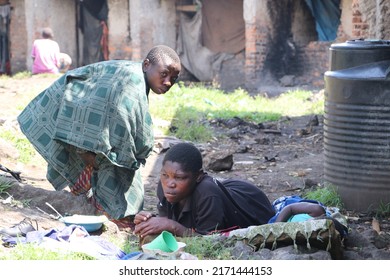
72, 238
283, 201
299, 218
332, 213
138, 256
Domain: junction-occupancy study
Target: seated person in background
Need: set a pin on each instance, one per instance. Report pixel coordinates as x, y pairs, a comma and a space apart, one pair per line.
45, 53
193, 203
64, 63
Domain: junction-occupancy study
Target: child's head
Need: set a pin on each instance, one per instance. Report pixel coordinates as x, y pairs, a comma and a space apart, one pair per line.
162, 68
47, 33
187, 155
181, 172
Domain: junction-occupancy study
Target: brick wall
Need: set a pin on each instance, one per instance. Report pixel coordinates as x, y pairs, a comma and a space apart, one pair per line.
360, 27
254, 53
315, 61
119, 42
231, 74
18, 37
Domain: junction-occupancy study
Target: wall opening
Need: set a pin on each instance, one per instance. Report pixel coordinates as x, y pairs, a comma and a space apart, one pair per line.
92, 22
299, 30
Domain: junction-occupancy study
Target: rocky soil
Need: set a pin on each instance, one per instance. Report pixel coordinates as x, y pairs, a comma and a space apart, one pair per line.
282, 158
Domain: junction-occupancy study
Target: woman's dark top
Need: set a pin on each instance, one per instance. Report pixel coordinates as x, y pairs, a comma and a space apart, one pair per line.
209, 208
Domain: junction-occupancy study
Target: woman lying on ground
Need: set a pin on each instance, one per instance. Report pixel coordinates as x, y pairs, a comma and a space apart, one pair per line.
193, 203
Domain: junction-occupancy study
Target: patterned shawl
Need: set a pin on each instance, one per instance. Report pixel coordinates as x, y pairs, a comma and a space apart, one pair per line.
103, 108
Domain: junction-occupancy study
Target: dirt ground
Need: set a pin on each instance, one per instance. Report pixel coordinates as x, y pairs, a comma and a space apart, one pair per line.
282, 158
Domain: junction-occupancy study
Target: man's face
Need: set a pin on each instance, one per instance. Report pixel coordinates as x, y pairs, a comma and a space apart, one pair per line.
162, 75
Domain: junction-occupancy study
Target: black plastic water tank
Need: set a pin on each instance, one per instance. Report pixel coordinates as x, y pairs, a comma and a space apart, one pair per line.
357, 126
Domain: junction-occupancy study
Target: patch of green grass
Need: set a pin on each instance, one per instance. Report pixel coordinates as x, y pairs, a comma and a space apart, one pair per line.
201, 247
205, 248
188, 125
383, 210
26, 150
26, 202
4, 186
22, 75
28, 74
131, 244
327, 195
191, 107
31, 251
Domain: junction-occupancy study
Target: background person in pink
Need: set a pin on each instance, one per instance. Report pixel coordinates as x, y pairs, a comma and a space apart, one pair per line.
45, 53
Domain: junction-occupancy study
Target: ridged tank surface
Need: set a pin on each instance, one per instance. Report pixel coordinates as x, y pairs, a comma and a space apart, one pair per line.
357, 130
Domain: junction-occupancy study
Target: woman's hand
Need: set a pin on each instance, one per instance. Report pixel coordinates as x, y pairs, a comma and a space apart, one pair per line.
142, 217
155, 225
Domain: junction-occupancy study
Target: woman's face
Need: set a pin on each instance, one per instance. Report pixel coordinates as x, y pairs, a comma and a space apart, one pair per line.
162, 75
177, 184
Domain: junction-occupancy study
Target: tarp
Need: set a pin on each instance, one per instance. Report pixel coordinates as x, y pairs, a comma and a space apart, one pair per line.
223, 26
327, 16
215, 33
197, 59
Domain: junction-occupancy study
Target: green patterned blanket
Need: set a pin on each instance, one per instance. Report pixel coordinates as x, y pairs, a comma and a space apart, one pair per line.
101, 108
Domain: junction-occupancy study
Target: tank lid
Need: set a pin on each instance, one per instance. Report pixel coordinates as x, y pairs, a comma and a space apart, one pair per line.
371, 71
362, 44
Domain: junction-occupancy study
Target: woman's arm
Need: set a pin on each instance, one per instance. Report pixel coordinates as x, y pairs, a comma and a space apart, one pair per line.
155, 225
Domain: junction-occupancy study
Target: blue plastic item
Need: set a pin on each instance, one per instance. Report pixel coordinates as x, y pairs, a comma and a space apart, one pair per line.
90, 223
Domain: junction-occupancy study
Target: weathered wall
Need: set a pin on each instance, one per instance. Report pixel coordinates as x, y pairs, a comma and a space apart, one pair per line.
118, 23
257, 29
27, 20
18, 37
302, 24
134, 27
294, 49
374, 18
280, 35
360, 26
315, 62
119, 29
276, 31
232, 73
345, 31
152, 22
